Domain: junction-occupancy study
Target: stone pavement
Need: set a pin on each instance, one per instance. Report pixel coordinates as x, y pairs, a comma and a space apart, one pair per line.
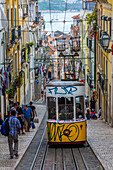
100, 138
24, 141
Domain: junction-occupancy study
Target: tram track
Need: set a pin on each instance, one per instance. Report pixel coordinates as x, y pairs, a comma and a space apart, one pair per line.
40, 156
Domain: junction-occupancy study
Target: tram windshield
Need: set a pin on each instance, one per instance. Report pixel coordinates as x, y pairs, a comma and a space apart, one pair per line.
65, 108
79, 107
51, 108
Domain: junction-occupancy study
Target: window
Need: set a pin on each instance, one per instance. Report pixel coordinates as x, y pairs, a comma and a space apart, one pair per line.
11, 17
15, 16
65, 108
79, 107
51, 107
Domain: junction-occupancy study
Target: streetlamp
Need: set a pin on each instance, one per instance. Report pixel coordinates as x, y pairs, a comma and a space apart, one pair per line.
105, 39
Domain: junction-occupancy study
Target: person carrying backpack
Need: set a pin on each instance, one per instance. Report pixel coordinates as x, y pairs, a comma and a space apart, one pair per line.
14, 126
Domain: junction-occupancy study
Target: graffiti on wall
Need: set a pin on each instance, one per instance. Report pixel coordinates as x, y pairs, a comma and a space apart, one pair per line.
63, 90
56, 132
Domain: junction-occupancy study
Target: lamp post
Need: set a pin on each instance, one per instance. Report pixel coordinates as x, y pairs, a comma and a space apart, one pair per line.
105, 39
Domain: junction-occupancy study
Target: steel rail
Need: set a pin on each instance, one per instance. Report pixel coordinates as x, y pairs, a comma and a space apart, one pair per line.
41, 168
83, 160
31, 168
75, 161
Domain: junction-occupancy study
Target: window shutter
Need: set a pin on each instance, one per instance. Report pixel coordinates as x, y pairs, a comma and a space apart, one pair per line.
12, 17
15, 17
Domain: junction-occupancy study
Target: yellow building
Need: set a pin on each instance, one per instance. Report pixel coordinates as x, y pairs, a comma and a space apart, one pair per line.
17, 51
103, 58
13, 36
87, 47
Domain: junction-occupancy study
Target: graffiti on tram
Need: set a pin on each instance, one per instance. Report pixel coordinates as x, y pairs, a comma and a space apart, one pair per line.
56, 132
62, 90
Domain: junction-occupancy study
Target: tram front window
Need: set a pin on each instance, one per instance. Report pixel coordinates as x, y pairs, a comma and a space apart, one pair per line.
51, 107
65, 108
79, 107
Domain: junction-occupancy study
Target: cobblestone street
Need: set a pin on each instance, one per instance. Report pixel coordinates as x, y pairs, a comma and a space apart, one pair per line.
24, 141
100, 137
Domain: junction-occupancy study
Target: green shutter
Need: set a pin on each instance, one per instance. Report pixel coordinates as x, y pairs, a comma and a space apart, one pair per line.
15, 17
13, 35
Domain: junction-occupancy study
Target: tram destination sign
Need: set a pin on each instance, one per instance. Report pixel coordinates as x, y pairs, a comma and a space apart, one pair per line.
65, 91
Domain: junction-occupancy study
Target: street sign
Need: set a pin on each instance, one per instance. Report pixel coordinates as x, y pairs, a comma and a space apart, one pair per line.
37, 81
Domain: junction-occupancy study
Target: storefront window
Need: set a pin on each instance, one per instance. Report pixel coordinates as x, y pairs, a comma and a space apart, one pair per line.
51, 107
79, 107
65, 108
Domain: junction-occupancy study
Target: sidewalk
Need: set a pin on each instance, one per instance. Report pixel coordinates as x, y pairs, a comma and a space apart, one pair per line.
24, 141
100, 137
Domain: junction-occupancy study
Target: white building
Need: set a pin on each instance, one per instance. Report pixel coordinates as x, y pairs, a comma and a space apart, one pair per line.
3, 27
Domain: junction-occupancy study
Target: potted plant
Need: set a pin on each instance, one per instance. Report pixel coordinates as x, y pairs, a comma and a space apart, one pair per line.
19, 80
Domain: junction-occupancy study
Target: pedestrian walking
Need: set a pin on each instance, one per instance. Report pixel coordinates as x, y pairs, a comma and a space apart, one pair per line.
28, 115
92, 104
14, 127
20, 116
33, 108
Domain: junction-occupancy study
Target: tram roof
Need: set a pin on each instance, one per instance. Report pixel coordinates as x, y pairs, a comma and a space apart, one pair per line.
64, 83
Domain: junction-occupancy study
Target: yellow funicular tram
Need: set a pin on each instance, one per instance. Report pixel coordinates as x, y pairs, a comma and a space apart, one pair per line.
66, 122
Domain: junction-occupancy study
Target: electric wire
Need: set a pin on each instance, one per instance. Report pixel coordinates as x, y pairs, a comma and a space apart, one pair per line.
65, 16
50, 15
